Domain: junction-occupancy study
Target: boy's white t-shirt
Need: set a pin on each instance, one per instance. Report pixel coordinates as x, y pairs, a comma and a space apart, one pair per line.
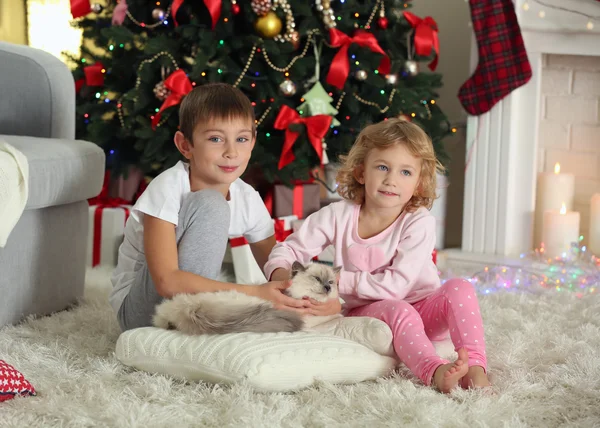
162, 199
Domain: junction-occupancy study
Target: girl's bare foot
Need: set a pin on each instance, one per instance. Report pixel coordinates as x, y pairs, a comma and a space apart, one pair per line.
475, 378
447, 376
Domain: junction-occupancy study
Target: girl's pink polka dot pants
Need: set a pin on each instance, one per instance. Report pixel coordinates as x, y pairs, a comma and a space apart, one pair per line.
453, 307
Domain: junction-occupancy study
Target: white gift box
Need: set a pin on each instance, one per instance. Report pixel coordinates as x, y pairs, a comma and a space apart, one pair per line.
245, 267
106, 231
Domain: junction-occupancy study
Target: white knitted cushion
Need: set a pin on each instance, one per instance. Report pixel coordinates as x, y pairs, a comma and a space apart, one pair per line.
370, 332
267, 361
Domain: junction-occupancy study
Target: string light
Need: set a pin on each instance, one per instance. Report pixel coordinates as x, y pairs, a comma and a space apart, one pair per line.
576, 272
525, 6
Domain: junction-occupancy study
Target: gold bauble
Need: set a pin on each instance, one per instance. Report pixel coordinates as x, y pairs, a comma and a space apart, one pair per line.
268, 26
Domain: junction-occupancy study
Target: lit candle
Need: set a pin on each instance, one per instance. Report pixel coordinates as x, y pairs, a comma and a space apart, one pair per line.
553, 189
594, 234
561, 229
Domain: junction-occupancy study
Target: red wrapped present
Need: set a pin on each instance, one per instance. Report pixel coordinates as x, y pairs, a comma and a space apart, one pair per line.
245, 267
107, 217
302, 200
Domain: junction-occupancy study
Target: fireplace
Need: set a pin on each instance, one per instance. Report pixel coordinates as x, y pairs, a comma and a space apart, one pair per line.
554, 118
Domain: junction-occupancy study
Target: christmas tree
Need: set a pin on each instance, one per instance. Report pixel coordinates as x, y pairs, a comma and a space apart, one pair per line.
316, 72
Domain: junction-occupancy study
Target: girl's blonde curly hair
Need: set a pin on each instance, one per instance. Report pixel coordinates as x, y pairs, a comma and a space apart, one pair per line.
381, 136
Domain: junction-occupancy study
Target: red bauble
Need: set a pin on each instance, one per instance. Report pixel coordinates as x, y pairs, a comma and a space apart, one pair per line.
235, 9
383, 23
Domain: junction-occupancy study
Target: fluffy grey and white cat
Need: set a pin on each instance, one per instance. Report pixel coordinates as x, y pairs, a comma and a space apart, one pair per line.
233, 312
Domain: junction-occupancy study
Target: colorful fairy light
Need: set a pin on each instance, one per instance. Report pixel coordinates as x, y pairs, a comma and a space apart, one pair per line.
576, 272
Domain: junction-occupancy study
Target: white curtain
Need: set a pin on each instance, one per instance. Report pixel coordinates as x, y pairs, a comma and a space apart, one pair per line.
49, 27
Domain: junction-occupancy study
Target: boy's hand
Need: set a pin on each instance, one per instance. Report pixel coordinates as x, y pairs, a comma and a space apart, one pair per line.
328, 307
273, 292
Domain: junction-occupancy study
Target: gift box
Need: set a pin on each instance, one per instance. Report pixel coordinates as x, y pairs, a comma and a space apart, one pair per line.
106, 230
301, 200
245, 267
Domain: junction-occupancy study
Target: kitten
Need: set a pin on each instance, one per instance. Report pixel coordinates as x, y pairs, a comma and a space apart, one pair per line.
233, 312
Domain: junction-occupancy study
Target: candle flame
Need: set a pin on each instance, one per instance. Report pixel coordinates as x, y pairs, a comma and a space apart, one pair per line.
563, 209
557, 168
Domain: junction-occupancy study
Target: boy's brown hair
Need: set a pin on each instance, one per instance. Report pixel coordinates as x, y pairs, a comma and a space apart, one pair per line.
219, 101
386, 134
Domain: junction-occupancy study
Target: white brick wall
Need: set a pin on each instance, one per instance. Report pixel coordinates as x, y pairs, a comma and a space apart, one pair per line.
570, 124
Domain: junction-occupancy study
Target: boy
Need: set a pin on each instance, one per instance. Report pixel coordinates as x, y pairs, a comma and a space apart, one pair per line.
176, 236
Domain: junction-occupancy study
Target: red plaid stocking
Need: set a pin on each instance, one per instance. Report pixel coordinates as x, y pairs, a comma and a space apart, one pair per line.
503, 64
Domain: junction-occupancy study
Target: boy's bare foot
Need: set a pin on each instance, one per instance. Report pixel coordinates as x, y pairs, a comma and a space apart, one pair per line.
475, 378
447, 376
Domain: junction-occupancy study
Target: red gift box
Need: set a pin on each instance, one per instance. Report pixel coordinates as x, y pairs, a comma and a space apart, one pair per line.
303, 199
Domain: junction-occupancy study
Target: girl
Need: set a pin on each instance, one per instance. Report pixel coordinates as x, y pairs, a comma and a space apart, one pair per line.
384, 236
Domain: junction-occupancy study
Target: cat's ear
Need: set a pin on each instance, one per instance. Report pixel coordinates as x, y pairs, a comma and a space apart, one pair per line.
337, 270
297, 267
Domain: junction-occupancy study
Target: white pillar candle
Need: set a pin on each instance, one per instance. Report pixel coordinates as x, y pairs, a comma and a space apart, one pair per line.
560, 230
553, 189
594, 234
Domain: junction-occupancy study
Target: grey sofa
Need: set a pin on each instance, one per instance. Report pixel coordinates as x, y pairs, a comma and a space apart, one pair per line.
42, 266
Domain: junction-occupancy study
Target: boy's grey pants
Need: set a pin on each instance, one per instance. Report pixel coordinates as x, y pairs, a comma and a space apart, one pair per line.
201, 235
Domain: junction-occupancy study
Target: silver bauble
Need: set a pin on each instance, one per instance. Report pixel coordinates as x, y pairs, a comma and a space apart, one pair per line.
391, 79
158, 14
97, 8
410, 68
361, 75
287, 87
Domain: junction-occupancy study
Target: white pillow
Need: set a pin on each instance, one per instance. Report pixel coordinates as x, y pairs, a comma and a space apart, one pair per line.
267, 361
370, 332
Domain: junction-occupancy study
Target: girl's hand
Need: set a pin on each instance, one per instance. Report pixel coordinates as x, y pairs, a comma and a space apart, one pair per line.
280, 274
328, 307
273, 292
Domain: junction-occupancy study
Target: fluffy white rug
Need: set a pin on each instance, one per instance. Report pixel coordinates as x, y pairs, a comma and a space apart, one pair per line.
544, 356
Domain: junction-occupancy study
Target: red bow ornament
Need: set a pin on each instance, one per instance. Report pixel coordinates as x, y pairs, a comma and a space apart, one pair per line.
316, 128
340, 67
426, 36
80, 8
213, 6
94, 75
179, 85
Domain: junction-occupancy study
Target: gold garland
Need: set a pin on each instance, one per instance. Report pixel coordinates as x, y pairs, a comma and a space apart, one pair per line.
151, 26
138, 81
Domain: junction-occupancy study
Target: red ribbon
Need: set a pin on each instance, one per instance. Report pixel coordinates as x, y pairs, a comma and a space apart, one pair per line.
426, 36
94, 75
179, 85
340, 67
316, 128
240, 241
80, 8
213, 6
280, 232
